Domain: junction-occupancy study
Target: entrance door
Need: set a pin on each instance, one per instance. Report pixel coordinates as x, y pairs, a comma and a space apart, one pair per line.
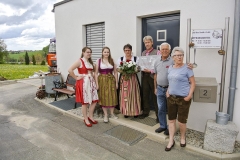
162, 29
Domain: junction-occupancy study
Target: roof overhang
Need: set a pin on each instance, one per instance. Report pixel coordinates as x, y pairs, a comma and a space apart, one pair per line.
60, 3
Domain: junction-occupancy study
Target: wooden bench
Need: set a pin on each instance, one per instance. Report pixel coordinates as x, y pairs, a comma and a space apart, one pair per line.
64, 87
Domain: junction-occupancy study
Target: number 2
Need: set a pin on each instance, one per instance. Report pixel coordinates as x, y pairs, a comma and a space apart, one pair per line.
205, 92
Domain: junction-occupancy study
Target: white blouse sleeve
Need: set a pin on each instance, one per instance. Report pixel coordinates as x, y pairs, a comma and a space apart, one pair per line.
118, 62
137, 60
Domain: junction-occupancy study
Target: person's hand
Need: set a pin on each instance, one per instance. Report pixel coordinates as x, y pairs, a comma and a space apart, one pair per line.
147, 70
167, 94
190, 65
97, 86
155, 91
187, 98
116, 86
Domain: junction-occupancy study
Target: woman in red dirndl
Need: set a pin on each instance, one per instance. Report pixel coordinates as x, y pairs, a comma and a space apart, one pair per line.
86, 91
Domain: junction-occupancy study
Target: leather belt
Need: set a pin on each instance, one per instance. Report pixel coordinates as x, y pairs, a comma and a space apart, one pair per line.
163, 86
146, 73
176, 96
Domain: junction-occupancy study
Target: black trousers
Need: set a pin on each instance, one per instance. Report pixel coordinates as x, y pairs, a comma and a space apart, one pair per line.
148, 94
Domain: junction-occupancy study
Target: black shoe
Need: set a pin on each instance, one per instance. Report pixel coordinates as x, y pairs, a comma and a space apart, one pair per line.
143, 116
183, 145
125, 116
169, 149
166, 132
159, 130
135, 116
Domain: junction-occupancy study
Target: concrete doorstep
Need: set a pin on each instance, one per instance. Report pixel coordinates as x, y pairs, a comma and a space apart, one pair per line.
149, 130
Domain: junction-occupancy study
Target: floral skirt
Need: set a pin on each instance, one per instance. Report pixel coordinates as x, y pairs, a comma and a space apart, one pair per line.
107, 91
86, 91
129, 96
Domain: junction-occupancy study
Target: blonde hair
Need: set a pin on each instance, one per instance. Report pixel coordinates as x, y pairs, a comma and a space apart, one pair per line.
148, 38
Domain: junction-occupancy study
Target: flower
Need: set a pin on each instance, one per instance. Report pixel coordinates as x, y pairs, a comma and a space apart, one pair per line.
128, 68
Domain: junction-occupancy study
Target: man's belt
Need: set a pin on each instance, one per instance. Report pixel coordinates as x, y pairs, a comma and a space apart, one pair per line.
163, 86
176, 96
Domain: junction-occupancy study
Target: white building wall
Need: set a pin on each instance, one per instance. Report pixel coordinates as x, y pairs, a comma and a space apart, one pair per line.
123, 25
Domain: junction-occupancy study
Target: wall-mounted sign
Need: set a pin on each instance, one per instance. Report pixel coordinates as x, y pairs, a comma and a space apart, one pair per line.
207, 38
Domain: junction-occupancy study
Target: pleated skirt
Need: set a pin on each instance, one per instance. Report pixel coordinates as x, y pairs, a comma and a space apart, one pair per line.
107, 91
129, 96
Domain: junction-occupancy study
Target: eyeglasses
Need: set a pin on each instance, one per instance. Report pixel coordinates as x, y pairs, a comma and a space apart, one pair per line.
179, 55
127, 50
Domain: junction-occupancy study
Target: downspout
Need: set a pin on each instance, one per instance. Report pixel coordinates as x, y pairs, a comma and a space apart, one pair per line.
188, 40
234, 64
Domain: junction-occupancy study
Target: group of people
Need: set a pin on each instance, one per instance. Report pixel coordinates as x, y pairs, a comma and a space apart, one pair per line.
169, 86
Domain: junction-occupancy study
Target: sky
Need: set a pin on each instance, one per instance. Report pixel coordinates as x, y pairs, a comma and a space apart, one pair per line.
27, 24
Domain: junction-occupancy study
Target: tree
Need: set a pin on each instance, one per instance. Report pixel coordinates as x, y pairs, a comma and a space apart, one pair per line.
33, 60
3, 51
39, 58
27, 58
45, 50
21, 59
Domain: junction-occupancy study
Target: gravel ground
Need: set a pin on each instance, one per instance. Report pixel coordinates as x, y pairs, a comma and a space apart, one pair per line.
194, 138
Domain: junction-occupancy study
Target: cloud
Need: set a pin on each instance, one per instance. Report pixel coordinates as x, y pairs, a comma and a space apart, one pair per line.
12, 32
17, 3
30, 27
33, 13
37, 33
25, 43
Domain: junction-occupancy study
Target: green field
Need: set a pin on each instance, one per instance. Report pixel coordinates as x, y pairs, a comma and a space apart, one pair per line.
22, 54
16, 71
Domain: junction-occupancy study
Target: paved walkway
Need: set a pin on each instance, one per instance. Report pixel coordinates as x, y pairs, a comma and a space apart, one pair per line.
32, 130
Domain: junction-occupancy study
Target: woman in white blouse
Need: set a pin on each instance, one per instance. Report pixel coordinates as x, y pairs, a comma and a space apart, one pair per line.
129, 89
106, 77
86, 91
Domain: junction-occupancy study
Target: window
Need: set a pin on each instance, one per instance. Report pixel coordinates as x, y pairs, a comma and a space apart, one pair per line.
95, 39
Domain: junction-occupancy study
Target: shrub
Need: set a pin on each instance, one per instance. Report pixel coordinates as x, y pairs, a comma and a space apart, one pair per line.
43, 62
33, 60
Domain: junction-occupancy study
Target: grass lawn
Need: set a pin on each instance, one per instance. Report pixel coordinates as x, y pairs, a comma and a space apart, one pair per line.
16, 71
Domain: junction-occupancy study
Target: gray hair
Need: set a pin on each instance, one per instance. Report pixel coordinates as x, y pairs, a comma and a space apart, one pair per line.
147, 38
165, 43
177, 49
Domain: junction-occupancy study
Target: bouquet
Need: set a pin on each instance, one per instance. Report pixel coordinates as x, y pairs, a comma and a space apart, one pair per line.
128, 68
